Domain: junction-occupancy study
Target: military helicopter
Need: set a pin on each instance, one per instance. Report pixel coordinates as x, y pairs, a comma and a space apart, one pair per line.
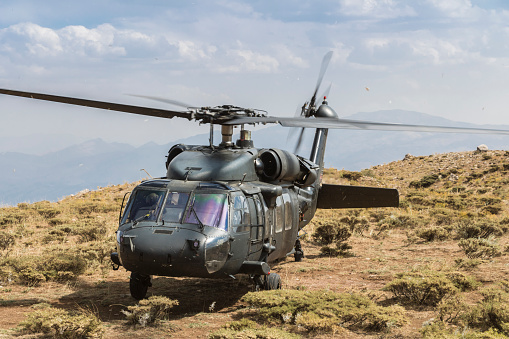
232, 208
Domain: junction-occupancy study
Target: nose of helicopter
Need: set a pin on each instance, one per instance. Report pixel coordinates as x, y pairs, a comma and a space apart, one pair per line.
173, 251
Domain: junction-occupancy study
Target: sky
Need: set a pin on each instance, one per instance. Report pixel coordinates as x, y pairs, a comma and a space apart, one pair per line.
444, 58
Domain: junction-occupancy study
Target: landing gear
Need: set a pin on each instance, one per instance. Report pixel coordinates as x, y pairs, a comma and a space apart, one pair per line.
299, 254
138, 285
272, 281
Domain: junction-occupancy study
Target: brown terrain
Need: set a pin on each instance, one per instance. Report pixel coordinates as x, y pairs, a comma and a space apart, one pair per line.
453, 222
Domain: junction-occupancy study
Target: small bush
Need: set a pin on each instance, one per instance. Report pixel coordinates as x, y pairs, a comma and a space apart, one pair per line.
59, 323
331, 231
480, 248
249, 329
462, 281
7, 240
48, 212
467, 264
55, 266
434, 234
11, 216
400, 221
452, 309
354, 176
492, 312
423, 288
324, 311
150, 310
426, 181
478, 229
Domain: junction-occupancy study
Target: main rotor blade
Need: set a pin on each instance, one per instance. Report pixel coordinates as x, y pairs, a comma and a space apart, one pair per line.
323, 68
154, 112
167, 101
361, 125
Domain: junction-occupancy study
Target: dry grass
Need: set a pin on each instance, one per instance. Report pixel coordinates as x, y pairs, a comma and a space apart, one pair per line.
453, 221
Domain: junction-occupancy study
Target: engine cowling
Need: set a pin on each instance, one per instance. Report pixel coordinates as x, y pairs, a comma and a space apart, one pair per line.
280, 165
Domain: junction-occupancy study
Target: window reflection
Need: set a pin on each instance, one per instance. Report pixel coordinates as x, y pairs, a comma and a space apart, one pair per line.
210, 209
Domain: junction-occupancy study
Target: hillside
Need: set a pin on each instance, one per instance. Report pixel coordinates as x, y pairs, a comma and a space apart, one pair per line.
29, 177
435, 267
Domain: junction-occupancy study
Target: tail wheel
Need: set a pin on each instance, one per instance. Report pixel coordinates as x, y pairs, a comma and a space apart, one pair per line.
138, 285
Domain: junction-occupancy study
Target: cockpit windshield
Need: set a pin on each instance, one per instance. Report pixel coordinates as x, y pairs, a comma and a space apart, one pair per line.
205, 209
144, 206
175, 206
210, 209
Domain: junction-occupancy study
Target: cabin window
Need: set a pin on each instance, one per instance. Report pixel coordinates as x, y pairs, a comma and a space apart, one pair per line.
256, 211
208, 209
241, 218
288, 211
175, 206
145, 205
259, 216
279, 217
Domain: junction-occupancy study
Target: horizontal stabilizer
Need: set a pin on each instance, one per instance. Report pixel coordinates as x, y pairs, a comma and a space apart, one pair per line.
344, 196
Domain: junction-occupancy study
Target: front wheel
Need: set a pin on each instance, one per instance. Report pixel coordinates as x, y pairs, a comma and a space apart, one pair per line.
138, 285
273, 282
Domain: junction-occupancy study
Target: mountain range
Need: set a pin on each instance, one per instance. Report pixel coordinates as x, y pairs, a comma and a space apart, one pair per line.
33, 176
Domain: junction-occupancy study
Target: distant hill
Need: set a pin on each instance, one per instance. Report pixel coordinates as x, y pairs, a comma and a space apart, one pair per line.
87, 165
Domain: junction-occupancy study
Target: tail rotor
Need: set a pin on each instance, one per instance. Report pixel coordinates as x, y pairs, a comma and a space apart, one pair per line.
309, 108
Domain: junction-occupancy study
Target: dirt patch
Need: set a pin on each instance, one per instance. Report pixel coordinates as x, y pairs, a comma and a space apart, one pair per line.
206, 305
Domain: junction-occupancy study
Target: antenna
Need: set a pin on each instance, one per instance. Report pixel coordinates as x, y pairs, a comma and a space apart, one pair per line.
147, 173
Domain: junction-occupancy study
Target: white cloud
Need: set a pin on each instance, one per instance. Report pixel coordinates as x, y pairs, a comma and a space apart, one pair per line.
94, 42
249, 61
191, 51
453, 8
376, 8
38, 40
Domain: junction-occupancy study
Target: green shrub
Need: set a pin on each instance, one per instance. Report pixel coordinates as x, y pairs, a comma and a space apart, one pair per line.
342, 249
324, 311
423, 288
150, 310
59, 323
480, 248
330, 231
492, 312
425, 181
452, 309
48, 212
434, 234
354, 176
11, 216
478, 229
7, 240
467, 264
55, 266
462, 281
439, 330
400, 221
249, 329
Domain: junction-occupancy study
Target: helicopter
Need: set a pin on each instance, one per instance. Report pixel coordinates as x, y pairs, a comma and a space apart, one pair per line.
232, 208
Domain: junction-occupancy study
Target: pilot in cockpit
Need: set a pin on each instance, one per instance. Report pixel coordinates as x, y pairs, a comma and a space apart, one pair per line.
174, 207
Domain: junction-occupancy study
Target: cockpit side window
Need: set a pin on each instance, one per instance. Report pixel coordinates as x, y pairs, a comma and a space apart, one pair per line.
241, 218
175, 206
209, 209
145, 205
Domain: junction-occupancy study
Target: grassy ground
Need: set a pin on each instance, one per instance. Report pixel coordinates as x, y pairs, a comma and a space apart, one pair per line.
438, 266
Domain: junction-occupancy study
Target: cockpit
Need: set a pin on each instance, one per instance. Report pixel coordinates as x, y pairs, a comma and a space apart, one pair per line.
203, 208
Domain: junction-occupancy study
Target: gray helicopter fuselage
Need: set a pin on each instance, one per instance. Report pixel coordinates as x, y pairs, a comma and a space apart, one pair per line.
213, 216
